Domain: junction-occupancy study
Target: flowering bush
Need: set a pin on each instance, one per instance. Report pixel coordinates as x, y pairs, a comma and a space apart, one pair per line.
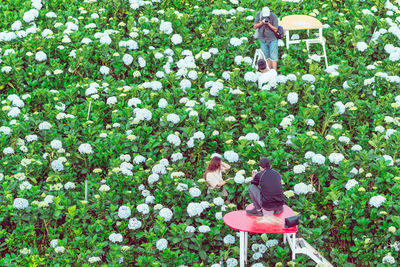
127, 101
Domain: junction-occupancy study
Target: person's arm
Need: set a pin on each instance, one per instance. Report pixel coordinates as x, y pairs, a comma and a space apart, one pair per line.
256, 179
273, 24
222, 183
225, 166
257, 23
272, 27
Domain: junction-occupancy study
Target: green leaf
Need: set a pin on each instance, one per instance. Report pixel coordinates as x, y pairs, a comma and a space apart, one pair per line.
72, 211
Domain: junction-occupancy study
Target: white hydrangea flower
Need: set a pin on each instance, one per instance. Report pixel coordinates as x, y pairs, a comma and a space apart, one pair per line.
92, 260
44, 126
204, 229
24, 186
8, 151
299, 169
114, 237
174, 118
143, 208
85, 149
252, 137
57, 165
292, 98
40, 56
229, 239
379, 129
166, 213
104, 188
341, 107
124, 212
318, 159
159, 169
231, 156
344, 139
162, 244
176, 39
112, 100
194, 209
166, 27
127, 59
388, 259
174, 139
351, 183
59, 250
388, 158
104, 70
218, 201
377, 201
310, 122
162, 103
362, 46
139, 159
335, 158
69, 185
134, 224
194, 192
55, 144
271, 243
250, 77
308, 78
356, 148
286, 121
153, 178
142, 114
389, 132
300, 188
20, 203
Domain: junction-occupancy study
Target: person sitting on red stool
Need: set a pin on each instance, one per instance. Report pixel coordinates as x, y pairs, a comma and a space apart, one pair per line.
266, 190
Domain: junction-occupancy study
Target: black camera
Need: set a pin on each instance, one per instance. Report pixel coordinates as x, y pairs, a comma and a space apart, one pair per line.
266, 19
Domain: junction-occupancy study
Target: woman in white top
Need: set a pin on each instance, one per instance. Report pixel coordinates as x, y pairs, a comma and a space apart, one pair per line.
213, 174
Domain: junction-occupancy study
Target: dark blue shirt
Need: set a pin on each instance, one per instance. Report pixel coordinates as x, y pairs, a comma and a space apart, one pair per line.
270, 181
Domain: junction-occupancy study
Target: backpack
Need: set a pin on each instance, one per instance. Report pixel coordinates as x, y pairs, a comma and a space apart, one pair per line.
279, 33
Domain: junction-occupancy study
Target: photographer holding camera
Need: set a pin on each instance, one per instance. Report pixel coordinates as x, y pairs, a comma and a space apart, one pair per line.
266, 24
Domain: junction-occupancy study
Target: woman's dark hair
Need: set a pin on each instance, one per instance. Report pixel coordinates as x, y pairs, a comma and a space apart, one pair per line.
214, 165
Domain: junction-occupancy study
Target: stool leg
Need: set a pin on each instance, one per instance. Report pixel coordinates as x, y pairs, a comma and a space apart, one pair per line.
284, 238
287, 40
246, 238
294, 247
326, 59
242, 249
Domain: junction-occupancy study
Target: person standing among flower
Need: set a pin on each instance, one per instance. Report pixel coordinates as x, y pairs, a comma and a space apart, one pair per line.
213, 174
266, 190
266, 24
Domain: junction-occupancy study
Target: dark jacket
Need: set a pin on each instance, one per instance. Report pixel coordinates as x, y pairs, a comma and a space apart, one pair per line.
272, 196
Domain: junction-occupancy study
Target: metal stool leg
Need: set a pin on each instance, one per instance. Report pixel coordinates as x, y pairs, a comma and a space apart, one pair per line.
287, 39
242, 248
246, 236
294, 247
326, 59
